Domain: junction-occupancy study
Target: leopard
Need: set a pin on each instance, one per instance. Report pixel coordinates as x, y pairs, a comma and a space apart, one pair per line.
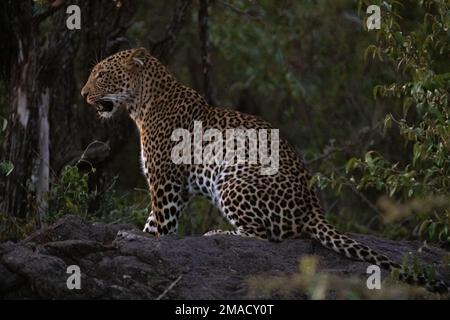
274, 207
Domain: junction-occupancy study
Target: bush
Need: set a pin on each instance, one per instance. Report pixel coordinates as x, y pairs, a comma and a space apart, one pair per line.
70, 194
416, 50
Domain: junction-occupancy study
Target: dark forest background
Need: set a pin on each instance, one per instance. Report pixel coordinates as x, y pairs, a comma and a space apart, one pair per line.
367, 109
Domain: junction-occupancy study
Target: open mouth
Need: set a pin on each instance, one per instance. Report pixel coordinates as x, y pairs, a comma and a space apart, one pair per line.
104, 106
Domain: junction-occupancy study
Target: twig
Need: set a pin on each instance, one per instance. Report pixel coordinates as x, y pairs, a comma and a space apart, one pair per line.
238, 11
95, 152
38, 18
358, 139
365, 200
331, 207
162, 49
203, 22
162, 295
324, 155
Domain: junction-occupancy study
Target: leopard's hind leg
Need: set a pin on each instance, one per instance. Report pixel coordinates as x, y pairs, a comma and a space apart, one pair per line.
237, 203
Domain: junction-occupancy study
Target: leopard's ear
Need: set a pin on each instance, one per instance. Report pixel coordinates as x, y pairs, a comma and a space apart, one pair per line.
136, 59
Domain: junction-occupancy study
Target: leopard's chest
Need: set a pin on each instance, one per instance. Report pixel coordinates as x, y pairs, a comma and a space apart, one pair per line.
144, 162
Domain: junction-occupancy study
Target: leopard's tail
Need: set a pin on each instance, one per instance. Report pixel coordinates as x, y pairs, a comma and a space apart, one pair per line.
329, 237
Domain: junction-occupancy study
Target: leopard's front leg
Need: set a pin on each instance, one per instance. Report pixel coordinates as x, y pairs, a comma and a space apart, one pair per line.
150, 225
167, 204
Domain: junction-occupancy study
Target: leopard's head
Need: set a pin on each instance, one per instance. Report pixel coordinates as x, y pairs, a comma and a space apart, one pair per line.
116, 81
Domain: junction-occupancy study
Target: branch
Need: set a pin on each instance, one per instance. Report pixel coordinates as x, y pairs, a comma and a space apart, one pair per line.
369, 203
162, 49
239, 11
324, 155
203, 21
55, 6
95, 152
162, 295
122, 21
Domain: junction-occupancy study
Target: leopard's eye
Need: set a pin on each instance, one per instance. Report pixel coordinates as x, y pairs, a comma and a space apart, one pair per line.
100, 74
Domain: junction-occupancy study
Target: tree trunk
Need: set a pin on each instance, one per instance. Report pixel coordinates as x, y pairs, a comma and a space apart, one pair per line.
48, 124
42, 185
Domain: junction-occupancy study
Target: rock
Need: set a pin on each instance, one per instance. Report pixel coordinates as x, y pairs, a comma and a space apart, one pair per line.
137, 266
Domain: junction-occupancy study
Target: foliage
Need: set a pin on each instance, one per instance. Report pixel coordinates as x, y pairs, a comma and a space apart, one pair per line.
300, 64
201, 217
12, 228
315, 285
416, 49
413, 267
426, 213
70, 194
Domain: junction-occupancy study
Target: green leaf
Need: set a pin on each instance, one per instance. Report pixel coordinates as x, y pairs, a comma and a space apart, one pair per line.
387, 123
417, 152
351, 164
423, 227
6, 168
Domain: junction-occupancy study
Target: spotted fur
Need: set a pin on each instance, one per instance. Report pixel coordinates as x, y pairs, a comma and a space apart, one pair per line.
273, 207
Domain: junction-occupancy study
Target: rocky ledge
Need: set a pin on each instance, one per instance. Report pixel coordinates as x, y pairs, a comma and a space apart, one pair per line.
136, 266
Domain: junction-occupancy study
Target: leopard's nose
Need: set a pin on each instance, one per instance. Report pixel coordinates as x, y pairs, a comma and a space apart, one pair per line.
84, 93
